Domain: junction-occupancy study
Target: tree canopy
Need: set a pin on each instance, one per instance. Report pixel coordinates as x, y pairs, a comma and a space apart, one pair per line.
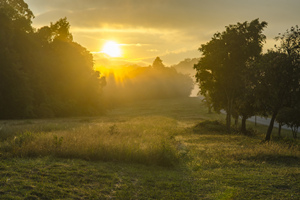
222, 69
43, 72
235, 76
278, 73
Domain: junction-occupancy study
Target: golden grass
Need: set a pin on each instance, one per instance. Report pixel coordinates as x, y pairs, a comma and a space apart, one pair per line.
143, 140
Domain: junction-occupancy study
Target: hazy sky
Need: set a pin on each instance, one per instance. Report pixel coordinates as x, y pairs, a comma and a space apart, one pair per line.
171, 29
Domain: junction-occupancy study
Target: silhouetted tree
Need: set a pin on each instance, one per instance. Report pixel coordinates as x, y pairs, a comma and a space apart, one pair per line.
279, 76
291, 118
186, 66
43, 73
15, 92
220, 70
275, 84
19, 14
77, 87
157, 63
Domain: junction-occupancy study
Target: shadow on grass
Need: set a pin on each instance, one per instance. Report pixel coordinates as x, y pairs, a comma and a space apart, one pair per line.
283, 160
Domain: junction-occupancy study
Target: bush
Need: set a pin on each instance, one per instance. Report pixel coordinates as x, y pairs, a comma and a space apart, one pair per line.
214, 126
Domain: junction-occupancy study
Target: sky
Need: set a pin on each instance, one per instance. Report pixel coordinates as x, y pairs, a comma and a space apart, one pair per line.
170, 29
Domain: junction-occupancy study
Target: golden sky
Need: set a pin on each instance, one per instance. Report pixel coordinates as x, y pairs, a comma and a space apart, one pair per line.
170, 29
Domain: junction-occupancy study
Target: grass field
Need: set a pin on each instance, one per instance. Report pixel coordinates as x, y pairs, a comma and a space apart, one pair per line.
156, 149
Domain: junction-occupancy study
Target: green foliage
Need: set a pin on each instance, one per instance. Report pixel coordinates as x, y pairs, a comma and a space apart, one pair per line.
277, 83
221, 71
18, 12
44, 73
291, 118
289, 43
57, 141
23, 139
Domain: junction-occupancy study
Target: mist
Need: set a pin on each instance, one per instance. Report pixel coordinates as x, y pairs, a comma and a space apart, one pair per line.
136, 83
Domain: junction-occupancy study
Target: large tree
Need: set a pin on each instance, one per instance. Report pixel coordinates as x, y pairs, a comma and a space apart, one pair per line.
15, 91
18, 12
221, 69
274, 88
278, 76
43, 73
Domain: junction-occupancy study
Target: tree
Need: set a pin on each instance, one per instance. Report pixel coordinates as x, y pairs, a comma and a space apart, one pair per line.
157, 63
43, 73
275, 84
278, 77
18, 12
221, 69
291, 118
15, 91
77, 87
290, 43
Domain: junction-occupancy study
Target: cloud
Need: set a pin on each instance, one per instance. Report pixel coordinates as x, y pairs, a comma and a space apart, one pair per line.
164, 14
164, 25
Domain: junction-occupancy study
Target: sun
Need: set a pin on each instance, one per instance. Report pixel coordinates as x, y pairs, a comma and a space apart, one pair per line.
112, 49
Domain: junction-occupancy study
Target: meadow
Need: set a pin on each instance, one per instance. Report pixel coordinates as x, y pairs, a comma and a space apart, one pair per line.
154, 149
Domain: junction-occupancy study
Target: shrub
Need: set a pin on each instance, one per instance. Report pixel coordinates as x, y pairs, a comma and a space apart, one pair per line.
214, 126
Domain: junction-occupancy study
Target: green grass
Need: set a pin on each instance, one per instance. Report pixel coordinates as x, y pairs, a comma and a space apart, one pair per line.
147, 140
148, 150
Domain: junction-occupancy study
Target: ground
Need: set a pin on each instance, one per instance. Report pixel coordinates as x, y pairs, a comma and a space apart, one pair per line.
158, 149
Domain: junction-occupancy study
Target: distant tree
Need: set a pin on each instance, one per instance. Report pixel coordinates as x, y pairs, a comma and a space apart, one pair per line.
142, 83
157, 63
61, 30
186, 66
221, 68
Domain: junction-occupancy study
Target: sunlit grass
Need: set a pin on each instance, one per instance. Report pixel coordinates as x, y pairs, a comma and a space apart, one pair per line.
63, 158
147, 140
213, 147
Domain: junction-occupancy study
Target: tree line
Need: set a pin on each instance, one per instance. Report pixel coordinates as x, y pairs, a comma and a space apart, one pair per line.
235, 75
134, 83
43, 72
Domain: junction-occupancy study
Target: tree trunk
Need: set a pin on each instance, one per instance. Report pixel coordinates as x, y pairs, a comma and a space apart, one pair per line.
279, 130
270, 128
294, 131
228, 116
243, 129
209, 109
236, 121
228, 121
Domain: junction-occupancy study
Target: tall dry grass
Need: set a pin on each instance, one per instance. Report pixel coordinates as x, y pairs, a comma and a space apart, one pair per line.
147, 140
